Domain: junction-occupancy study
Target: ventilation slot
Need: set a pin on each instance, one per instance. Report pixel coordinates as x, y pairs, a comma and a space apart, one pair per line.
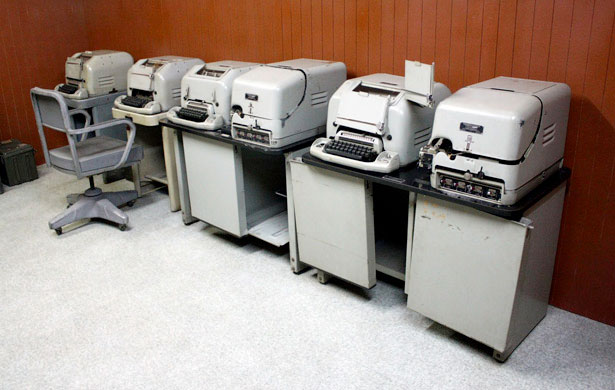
319, 98
422, 136
548, 135
106, 81
176, 93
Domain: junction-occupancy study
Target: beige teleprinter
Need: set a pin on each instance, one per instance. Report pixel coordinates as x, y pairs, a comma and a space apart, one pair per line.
154, 84
95, 73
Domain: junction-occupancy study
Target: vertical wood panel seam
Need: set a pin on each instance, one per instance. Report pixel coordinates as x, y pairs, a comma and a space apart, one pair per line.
529, 62
465, 48
435, 46
344, 27
380, 40
368, 41
514, 39
24, 75
497, 37
551, 40
381, 34
314, 21
406, 45
356, 38
10, 81
482, 29
450, 38
292, 46
527, 75
568, 49
322, 32
608, 65
311, 30
394, 31
12, 89
582, 92
575, 265
5, 95
421, 39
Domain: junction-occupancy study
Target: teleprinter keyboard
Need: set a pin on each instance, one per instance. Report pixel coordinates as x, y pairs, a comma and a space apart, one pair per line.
67, 88
134, 101
192, 114
351, 150
354, 155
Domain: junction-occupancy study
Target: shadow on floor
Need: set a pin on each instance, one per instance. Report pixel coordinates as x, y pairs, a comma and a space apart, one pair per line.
459, 339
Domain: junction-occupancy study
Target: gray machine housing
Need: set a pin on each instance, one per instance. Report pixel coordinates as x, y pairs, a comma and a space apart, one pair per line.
95, 73
157, 80
284, 102
375, 110
498, 139
207, 88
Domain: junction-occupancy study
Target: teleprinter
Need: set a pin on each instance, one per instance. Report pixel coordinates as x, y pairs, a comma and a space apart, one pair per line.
498, 139
154, 84
206, 95
95, 73
379, 122
285, 102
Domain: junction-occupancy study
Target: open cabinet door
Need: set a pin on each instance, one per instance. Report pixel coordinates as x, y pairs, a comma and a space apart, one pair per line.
335, 223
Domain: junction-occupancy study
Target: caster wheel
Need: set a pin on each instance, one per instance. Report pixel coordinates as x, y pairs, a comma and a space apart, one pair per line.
59, 231
122, 227
131, 203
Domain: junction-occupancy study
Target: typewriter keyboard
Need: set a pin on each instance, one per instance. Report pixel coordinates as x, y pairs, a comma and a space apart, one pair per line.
67, 88
134, 101
351, 150
192, 114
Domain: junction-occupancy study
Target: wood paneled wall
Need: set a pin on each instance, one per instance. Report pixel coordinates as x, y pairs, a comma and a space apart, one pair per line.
572, 41
35, 39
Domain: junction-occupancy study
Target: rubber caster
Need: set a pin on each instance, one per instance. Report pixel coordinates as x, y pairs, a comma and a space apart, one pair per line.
131, 203
122, 227
59, 231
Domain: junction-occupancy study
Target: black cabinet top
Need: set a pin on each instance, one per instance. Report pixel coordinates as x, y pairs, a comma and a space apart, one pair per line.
414, 179
224, 135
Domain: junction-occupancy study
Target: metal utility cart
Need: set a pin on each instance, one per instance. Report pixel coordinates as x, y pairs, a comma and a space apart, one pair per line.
236, 186
481, 269
158, 164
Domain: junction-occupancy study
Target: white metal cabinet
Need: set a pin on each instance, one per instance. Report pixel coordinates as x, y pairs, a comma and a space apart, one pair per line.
335, 223
216, 183
486, 277
237, 189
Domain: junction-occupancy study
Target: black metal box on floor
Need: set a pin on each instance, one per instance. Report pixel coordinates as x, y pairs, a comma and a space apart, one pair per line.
17, 163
